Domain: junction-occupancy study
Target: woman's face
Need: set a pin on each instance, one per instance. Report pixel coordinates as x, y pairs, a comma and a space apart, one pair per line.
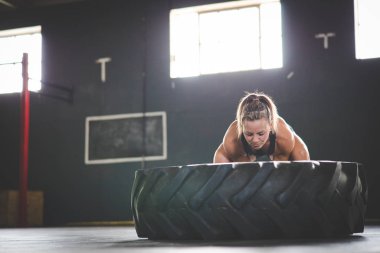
256, 132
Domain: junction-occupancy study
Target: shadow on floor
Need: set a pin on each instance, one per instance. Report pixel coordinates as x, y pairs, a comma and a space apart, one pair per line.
239, 243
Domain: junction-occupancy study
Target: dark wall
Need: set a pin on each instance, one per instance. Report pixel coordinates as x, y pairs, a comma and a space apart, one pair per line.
330, 99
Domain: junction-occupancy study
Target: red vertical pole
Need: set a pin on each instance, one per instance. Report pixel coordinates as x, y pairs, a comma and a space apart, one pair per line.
24, 147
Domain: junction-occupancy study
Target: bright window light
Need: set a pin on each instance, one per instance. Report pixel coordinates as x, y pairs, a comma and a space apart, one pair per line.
13, 43
367, 33
225, 37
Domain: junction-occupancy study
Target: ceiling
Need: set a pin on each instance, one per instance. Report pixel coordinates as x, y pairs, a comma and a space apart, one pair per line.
10, 5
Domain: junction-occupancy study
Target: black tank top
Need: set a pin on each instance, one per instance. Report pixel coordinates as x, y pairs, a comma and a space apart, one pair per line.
260, 154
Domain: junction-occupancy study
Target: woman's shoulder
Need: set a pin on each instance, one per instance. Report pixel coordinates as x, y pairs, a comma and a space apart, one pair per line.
231, 141
231, 135
284, 136
233, 125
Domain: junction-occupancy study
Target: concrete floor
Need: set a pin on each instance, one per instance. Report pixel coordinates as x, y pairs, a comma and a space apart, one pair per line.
124, 239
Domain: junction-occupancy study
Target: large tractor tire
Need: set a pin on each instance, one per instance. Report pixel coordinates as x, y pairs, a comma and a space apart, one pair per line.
258, 200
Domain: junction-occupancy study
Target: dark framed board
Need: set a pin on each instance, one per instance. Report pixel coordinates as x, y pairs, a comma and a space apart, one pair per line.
125, 138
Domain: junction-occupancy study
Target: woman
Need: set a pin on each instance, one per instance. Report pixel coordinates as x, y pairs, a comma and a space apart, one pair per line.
259, 134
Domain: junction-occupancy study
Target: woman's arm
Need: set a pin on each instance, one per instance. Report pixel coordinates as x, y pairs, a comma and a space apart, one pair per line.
300, 151
220, 155
226, 150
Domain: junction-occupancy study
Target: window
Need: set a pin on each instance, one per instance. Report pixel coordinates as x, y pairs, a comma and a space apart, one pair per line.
367, 33
13, 43
225, 37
